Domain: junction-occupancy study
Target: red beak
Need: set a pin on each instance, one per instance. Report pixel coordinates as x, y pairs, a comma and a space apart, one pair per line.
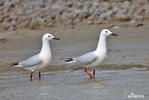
55, 38
114, 34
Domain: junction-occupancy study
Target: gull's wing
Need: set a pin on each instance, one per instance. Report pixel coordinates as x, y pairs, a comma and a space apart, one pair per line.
32, 61
86, 58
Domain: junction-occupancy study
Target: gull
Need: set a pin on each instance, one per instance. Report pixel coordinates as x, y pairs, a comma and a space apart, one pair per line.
40, 60
96, 57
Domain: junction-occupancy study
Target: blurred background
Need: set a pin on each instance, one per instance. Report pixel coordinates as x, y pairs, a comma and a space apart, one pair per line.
35, 14
78, 24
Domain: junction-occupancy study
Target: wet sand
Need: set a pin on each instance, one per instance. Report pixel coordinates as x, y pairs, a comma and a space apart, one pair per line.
125, 71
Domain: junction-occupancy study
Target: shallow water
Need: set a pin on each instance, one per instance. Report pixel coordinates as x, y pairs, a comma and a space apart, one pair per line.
72, 85
128, 51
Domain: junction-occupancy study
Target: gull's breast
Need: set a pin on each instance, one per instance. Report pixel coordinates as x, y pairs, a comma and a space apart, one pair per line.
100, 59
46, 60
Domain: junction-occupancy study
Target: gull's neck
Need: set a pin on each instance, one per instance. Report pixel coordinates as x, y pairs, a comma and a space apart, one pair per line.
45, 50
101, 47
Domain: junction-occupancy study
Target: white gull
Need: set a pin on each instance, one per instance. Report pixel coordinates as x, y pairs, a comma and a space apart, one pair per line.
39, 60
96, 57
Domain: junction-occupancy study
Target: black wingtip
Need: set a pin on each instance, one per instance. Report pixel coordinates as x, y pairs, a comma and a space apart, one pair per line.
13, 64
69, 59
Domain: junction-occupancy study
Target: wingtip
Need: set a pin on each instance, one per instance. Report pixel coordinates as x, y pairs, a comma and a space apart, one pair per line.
69, 59
14, 64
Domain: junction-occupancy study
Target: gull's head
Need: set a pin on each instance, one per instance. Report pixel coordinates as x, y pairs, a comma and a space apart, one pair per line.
48, 36
106, 32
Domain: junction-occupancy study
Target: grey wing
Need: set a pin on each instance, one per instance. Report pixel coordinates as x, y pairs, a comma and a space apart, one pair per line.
32, 61
86, 58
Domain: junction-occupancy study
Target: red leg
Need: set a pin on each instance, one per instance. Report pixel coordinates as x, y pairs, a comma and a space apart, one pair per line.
31, 75
85, 70
94, 73
39, 76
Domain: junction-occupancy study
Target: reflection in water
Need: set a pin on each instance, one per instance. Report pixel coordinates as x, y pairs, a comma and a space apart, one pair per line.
62, 85
98, 83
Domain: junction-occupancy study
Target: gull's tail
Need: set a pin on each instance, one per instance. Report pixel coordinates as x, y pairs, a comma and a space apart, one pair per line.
16, 64
70, 60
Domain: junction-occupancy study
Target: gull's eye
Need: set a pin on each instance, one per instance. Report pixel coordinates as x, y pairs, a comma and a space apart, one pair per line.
106, 31
49, 36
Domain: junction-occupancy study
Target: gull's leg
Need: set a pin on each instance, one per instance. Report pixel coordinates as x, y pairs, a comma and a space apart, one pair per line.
94, 72
85, 70
39, 76
31, 75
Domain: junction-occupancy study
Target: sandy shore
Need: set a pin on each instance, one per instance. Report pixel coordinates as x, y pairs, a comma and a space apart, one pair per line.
128, 51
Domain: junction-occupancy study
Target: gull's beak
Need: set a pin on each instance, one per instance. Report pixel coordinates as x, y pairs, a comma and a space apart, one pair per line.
55, 38
114, 34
